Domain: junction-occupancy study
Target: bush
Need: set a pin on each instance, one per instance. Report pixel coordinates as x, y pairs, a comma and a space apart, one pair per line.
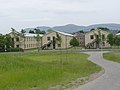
15, 50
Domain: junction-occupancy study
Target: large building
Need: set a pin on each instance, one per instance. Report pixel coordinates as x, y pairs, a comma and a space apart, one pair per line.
28, 41
96, 39
49, 40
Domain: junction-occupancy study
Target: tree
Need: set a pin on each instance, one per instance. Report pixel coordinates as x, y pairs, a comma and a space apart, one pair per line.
38, 39
8, 41
81, 31
2, 43
38, 31
92, 29
117, 41
58, 40
103, 28
99, 39
110, 39
5, 42
31, 31
23, 36
74, 42
119, 31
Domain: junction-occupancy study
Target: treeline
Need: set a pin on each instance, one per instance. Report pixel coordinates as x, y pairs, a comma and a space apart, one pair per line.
113, 40
37, 31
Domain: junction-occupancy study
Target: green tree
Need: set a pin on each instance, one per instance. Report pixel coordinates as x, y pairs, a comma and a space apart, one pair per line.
22, 34
103, 28
117, 41
110, 39
99, 39
81, 31
74, 42
58, 40
38, 39
8, 41
2, 43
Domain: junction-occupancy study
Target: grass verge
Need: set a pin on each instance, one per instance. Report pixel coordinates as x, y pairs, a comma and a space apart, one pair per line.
40, 71
112, 56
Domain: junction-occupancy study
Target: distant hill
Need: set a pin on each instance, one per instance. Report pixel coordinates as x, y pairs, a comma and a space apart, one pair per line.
70, 28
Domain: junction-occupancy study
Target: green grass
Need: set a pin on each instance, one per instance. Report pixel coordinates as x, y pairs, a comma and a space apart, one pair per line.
27, 71
112, 56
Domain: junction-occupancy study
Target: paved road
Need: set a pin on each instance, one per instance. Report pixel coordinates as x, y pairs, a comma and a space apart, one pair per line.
110, 80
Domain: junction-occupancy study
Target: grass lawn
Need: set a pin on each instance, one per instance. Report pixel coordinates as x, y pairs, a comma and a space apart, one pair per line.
39, 71
112, 56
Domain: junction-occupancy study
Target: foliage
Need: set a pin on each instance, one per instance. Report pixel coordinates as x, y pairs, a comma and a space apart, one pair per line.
5, 42
81, 31
117, 40
92, 29
38, 39
15, 50
99, 39
31, 31
74, 42
38, 31
103, 28
119, 31
110, 39
58, 39
30, 71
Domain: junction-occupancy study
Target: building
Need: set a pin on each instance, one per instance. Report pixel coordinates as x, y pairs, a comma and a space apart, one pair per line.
28, 41
81, 38
96, 39
49, 40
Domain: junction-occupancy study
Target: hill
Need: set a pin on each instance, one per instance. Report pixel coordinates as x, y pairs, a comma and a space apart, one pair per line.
70, 28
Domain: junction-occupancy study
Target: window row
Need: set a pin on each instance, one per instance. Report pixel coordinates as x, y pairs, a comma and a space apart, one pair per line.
29, 45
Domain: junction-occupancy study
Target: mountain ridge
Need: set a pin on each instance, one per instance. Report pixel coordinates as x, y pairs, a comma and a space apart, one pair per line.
70, 28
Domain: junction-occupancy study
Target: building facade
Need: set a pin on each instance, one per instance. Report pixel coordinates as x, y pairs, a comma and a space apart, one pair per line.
28, 41
96, 39
49, 40
81, 38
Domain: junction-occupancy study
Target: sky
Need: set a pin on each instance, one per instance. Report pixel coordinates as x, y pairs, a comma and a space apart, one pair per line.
21, 14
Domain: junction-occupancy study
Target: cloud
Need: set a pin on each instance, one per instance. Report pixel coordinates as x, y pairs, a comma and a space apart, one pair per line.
53, 12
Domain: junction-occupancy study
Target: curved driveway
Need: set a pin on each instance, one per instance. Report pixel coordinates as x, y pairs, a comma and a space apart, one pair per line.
110, 80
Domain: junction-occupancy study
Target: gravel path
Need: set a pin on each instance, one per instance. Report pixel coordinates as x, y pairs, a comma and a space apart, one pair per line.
110, 80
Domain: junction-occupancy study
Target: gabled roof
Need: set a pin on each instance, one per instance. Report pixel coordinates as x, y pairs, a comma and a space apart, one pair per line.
66, 34
63, 33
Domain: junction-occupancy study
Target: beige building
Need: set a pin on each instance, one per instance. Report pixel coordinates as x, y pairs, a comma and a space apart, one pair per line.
27, 42
49, 40
92, 37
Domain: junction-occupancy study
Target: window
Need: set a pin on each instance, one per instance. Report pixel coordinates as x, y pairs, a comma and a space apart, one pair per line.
103, 43
48, 38
17, 46
12, 39
103, 36
17, 39
91, 37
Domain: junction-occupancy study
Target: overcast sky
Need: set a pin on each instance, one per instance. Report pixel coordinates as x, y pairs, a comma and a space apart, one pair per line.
32, 13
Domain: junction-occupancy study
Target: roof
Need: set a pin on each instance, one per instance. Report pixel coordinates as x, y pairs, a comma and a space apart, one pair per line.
66, 34
118, 34
32, 35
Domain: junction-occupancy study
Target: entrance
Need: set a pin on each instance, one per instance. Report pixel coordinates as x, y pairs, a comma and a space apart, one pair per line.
54, 42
